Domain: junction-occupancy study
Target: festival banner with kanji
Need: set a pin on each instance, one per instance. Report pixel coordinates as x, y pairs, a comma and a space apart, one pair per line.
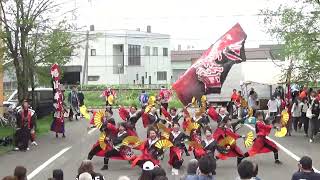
209, 72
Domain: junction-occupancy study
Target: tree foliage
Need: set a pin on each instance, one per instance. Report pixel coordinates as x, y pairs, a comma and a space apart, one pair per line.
296, 26
34, 38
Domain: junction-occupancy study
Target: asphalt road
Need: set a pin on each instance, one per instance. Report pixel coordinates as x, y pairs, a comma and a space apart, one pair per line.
67, 154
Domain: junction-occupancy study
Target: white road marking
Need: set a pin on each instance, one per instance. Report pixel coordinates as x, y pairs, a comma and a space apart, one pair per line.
45, 164
92, 130
291, 154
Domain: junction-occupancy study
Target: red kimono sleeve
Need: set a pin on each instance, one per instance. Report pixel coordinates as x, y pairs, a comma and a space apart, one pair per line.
123, 113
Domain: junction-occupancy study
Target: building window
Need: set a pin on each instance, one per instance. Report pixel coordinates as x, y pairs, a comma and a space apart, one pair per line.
137, 77
93, 52
147, 50
161, 75
93, 78
165, 51
146, 75
134, 58
155, 51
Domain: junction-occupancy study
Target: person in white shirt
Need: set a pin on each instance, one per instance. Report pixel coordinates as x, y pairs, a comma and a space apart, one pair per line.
304, 119
272, 108
296, 115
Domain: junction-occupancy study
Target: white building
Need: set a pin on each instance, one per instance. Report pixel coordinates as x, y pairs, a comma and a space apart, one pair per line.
123, 57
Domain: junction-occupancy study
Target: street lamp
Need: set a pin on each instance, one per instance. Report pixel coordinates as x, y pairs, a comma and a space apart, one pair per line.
119, 71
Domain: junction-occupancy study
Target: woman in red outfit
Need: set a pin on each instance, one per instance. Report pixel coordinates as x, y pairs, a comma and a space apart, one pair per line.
225, 130
149, 151
261, 143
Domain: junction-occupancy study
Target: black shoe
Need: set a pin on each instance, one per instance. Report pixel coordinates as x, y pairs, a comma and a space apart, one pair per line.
278, 161
57, 135
64, 136
105, 167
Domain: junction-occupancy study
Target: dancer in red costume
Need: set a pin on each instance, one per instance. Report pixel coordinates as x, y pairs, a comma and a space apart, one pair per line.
225, 130
177, 138
113, 147
261, 143
149, 151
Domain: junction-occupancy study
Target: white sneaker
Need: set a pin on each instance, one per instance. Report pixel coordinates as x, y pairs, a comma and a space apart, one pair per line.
28, 149
175, 171
16, 149
311, 140
34, 143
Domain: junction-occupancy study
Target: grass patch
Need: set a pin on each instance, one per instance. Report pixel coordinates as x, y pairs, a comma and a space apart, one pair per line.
124, 97
43, 125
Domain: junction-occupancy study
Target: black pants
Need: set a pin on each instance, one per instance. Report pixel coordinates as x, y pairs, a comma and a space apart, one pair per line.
109, 154
296, 121
94, 151
314, 127
305, 122
22, 138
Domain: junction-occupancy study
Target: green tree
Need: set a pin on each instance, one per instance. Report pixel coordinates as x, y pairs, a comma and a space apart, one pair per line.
34, 38
296, 26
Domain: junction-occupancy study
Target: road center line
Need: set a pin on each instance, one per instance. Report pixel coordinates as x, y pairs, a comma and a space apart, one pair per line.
287, 151
45, 164
92, 130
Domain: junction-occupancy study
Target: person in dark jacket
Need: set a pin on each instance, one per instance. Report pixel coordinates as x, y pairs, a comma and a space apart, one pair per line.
26, 126
117, 142
191, 169
314, 121
73, 100
305, 170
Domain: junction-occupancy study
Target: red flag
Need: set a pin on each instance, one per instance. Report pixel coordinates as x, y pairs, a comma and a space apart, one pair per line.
209, 72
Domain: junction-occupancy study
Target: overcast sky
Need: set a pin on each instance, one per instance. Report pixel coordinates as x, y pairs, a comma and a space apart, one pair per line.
197, 23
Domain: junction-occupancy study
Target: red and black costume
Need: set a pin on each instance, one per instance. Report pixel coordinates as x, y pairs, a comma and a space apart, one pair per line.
220, 134
177, 139
26, 125
130, 118
114, 148
149, 153
261, 143
195, 136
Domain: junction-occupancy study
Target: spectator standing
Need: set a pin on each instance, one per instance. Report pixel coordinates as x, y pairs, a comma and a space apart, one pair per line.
304, 119
74, 103
296, 115
81, 98
272, 108
314, 122
158, 173
303, 94
245, 170
87, 167
57, 174
143, 98
191, 169
205, 171
164, 96
20, 173
147, 169
26, 126
305, 170
85, 176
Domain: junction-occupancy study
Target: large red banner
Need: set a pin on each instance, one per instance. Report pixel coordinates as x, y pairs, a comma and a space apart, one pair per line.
209, 72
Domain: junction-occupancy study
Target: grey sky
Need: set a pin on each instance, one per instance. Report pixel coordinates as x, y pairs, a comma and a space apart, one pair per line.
197, 23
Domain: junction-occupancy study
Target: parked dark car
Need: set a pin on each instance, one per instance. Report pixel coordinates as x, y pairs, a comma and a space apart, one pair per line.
43, 104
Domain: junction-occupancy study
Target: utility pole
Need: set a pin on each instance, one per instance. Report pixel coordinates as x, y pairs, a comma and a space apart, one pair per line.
1, 72
85, 64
